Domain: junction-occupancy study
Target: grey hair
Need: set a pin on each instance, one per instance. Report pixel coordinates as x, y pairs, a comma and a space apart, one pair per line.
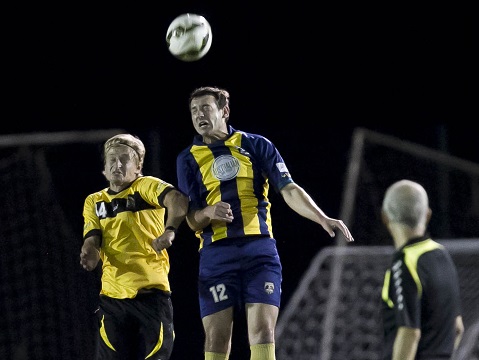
406, 202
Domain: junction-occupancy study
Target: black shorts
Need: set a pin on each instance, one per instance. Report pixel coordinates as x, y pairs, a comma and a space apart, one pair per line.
136, 329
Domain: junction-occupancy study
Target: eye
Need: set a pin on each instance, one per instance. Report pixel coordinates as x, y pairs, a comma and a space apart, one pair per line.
125, 158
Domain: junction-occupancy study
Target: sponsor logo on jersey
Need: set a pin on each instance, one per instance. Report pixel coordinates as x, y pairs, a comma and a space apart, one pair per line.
225, 167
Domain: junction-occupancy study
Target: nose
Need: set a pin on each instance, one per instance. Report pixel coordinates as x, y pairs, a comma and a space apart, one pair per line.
116, 164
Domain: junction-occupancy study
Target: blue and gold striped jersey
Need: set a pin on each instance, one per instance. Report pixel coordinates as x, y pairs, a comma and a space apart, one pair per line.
239, 171
127, 223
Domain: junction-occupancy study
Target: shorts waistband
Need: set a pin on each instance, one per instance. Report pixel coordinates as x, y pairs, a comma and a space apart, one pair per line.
153, 291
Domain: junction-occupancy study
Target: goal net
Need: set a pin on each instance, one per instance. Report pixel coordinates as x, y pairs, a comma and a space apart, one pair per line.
342, 320
44, 312
334, 314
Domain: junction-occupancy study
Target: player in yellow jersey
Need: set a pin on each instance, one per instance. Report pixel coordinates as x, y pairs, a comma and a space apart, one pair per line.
126, 227
226, 174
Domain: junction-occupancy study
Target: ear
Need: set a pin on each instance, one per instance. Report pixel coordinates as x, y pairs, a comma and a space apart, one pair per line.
428, 215
226, 112
384, 218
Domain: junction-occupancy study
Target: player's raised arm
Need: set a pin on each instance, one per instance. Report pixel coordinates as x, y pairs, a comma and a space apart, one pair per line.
302, 203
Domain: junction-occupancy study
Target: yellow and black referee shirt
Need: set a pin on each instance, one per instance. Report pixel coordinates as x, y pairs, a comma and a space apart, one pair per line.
421, 290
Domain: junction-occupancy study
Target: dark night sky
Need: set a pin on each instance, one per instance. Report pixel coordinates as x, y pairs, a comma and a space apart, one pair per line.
304, 76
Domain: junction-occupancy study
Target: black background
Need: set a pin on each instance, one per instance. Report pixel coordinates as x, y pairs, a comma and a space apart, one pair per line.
303, 75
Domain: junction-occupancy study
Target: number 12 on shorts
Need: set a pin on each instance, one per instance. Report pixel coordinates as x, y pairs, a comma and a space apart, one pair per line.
218, 292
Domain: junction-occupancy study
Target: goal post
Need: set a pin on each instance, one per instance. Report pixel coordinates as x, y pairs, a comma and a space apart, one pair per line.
334, 312
377, 160
310, 328
46, 298
57, 138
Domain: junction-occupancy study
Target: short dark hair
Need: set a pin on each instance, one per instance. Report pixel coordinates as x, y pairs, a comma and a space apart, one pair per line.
221, 95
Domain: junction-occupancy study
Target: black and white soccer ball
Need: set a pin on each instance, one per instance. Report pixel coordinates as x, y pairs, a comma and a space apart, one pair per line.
189, 37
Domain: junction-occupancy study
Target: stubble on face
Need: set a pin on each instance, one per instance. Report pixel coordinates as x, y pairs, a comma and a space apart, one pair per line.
208, 120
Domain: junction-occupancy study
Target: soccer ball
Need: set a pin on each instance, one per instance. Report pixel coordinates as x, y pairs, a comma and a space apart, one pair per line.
189, 37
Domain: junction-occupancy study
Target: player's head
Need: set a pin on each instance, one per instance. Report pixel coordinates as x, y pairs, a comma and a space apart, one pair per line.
131, 141
221, 95
406, 202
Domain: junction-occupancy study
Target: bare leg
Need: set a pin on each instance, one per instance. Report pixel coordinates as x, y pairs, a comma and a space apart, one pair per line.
261, 320
218, 331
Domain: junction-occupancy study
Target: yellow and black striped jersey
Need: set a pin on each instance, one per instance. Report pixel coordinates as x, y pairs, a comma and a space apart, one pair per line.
128, 222
238, 170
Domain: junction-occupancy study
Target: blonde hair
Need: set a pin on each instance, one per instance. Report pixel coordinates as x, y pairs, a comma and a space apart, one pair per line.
129, 140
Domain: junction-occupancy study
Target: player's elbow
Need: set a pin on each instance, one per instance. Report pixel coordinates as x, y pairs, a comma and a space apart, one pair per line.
192, 222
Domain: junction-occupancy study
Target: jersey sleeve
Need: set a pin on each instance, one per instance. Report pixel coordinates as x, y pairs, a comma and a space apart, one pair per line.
270, 160
406, 296
91, 222
153, 190
186, 182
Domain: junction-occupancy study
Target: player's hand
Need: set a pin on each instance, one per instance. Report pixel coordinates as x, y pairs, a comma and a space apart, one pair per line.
89, 257
330, 225
221, 211
164, 241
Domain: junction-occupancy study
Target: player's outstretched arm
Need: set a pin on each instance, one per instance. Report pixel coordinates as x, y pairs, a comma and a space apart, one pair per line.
300, 201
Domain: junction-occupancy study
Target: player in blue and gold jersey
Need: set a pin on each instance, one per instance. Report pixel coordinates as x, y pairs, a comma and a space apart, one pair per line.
421, 298
125, 228
227, 174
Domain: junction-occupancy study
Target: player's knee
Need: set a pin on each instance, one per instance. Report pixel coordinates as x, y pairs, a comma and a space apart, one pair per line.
261, 335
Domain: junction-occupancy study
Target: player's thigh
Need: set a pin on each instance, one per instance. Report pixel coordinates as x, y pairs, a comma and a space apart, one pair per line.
156, 331
219, 323
218, 329
219, 283
261, 273
117, 338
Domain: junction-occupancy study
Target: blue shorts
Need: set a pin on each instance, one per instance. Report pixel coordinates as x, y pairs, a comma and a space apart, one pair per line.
234, 272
